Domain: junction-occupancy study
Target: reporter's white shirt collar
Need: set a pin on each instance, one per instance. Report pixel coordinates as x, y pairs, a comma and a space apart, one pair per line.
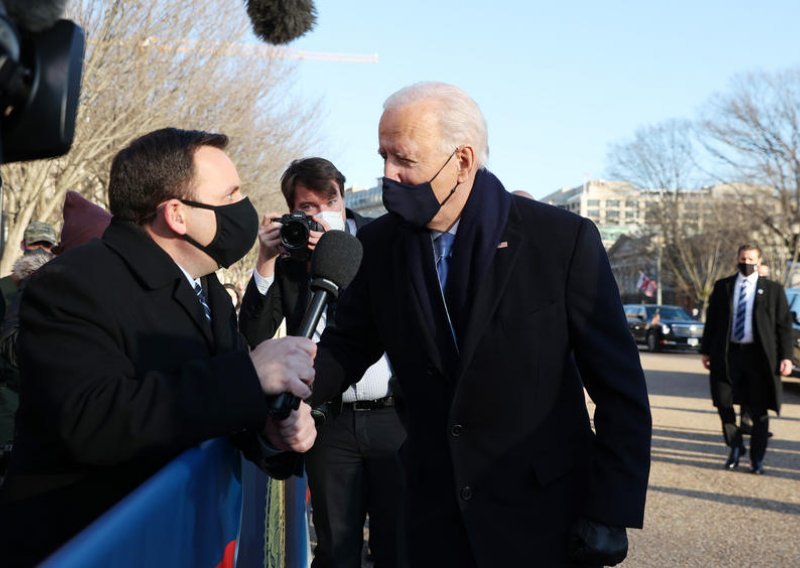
193, 282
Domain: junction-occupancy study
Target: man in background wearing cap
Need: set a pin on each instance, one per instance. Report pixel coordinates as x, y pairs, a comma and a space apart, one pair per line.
83, 221
38, 236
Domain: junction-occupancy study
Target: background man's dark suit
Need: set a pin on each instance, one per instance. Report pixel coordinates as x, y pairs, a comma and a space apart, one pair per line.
772, 331
500, 455
772, 338
118, 324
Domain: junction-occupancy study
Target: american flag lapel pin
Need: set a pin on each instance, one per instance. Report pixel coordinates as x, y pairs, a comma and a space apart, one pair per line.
503, 244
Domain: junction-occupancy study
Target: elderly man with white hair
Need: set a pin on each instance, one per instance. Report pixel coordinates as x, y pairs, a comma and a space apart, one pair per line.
495, 310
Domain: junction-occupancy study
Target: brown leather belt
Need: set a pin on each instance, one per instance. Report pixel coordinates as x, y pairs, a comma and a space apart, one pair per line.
377, 404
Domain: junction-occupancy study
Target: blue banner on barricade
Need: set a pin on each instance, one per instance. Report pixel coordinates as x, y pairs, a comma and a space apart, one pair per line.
297, 541
187, 514
251, 550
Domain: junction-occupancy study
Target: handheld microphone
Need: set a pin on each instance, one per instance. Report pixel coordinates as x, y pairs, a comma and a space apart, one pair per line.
281, 21
334, 264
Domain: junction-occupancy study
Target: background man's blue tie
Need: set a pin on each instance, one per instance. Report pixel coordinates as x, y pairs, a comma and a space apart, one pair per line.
741, 313
443, 246
201, 295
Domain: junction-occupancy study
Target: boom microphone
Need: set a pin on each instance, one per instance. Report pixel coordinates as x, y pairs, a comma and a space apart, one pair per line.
35, 15
334, 264
281, 21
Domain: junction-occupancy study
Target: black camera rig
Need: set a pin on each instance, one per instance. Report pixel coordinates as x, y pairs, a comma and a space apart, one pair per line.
295, 230
41, 60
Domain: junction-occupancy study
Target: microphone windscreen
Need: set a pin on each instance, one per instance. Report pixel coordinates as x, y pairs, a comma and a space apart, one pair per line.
336, 257
35, 15
281, 21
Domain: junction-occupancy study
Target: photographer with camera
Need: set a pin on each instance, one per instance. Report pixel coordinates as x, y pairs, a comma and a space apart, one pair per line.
353, 467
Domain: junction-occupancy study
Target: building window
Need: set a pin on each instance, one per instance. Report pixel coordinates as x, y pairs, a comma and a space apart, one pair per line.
612, 203
593, 203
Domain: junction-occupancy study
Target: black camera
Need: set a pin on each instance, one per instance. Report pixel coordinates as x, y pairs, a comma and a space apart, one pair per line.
295, 230
41, 60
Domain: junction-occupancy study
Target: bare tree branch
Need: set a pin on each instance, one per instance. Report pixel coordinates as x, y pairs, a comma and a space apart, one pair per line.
139, 76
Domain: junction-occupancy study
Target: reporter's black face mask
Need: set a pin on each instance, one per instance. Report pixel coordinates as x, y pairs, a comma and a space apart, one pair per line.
416, 204
237, 229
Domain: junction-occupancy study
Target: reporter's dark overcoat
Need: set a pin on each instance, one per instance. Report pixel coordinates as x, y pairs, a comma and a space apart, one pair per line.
120, 373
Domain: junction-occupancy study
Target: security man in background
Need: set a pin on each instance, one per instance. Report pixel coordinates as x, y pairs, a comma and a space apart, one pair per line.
747, 346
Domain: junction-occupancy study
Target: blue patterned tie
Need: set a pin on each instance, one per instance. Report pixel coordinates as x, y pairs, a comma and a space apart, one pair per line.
443, 246
201, 295
741, 313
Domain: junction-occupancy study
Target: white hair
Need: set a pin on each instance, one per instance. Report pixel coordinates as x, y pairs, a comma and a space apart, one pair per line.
460, 119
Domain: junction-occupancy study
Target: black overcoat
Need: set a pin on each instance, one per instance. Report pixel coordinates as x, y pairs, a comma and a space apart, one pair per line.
772, 327
120, 373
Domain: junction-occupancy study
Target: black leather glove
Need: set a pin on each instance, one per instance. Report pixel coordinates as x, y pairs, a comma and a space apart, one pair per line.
596, 544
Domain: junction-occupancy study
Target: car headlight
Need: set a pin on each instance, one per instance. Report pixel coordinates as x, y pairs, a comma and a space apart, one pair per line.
665, 329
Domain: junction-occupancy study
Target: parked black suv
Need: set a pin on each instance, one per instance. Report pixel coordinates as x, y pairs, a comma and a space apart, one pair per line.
663, 326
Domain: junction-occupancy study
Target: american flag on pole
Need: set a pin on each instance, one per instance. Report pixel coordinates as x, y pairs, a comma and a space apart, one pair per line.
647, 285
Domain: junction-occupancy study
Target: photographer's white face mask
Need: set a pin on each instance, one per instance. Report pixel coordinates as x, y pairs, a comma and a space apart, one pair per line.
333, 219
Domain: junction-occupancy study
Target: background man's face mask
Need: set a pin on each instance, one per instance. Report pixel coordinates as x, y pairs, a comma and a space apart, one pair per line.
333, 219
747, 269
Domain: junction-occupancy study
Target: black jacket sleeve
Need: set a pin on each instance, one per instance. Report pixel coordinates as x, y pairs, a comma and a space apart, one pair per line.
261, 314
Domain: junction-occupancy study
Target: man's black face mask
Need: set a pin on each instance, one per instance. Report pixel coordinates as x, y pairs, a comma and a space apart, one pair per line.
746, 269
237, 229
416, 204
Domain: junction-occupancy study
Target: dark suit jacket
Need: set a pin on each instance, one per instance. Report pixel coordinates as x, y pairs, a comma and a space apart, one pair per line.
772, 330
502, 438
120, 373
288, 297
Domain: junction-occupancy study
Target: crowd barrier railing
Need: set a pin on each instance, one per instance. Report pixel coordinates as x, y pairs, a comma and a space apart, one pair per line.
190, 514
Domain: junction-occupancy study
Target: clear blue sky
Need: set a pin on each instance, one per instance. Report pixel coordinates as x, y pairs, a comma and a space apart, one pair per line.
557, 81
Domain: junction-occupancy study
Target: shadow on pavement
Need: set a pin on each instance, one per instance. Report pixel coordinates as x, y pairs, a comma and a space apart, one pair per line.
681, 409
705, 450
713, 411
754, 502
677, 383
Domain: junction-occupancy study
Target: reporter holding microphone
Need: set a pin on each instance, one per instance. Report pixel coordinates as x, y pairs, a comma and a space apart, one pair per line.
129, 349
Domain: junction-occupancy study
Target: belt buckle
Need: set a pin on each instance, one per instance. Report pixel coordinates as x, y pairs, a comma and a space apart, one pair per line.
362, 405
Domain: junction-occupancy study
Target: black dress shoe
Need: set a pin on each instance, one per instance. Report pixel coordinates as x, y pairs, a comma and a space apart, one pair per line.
757, 468
733, 459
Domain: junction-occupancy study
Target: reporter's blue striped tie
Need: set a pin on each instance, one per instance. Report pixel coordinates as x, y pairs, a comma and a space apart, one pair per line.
201, 295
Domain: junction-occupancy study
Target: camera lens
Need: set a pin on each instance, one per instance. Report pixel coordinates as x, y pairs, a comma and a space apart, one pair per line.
294, 234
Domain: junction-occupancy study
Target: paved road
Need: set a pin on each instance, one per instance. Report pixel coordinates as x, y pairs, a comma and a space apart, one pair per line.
699, 514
